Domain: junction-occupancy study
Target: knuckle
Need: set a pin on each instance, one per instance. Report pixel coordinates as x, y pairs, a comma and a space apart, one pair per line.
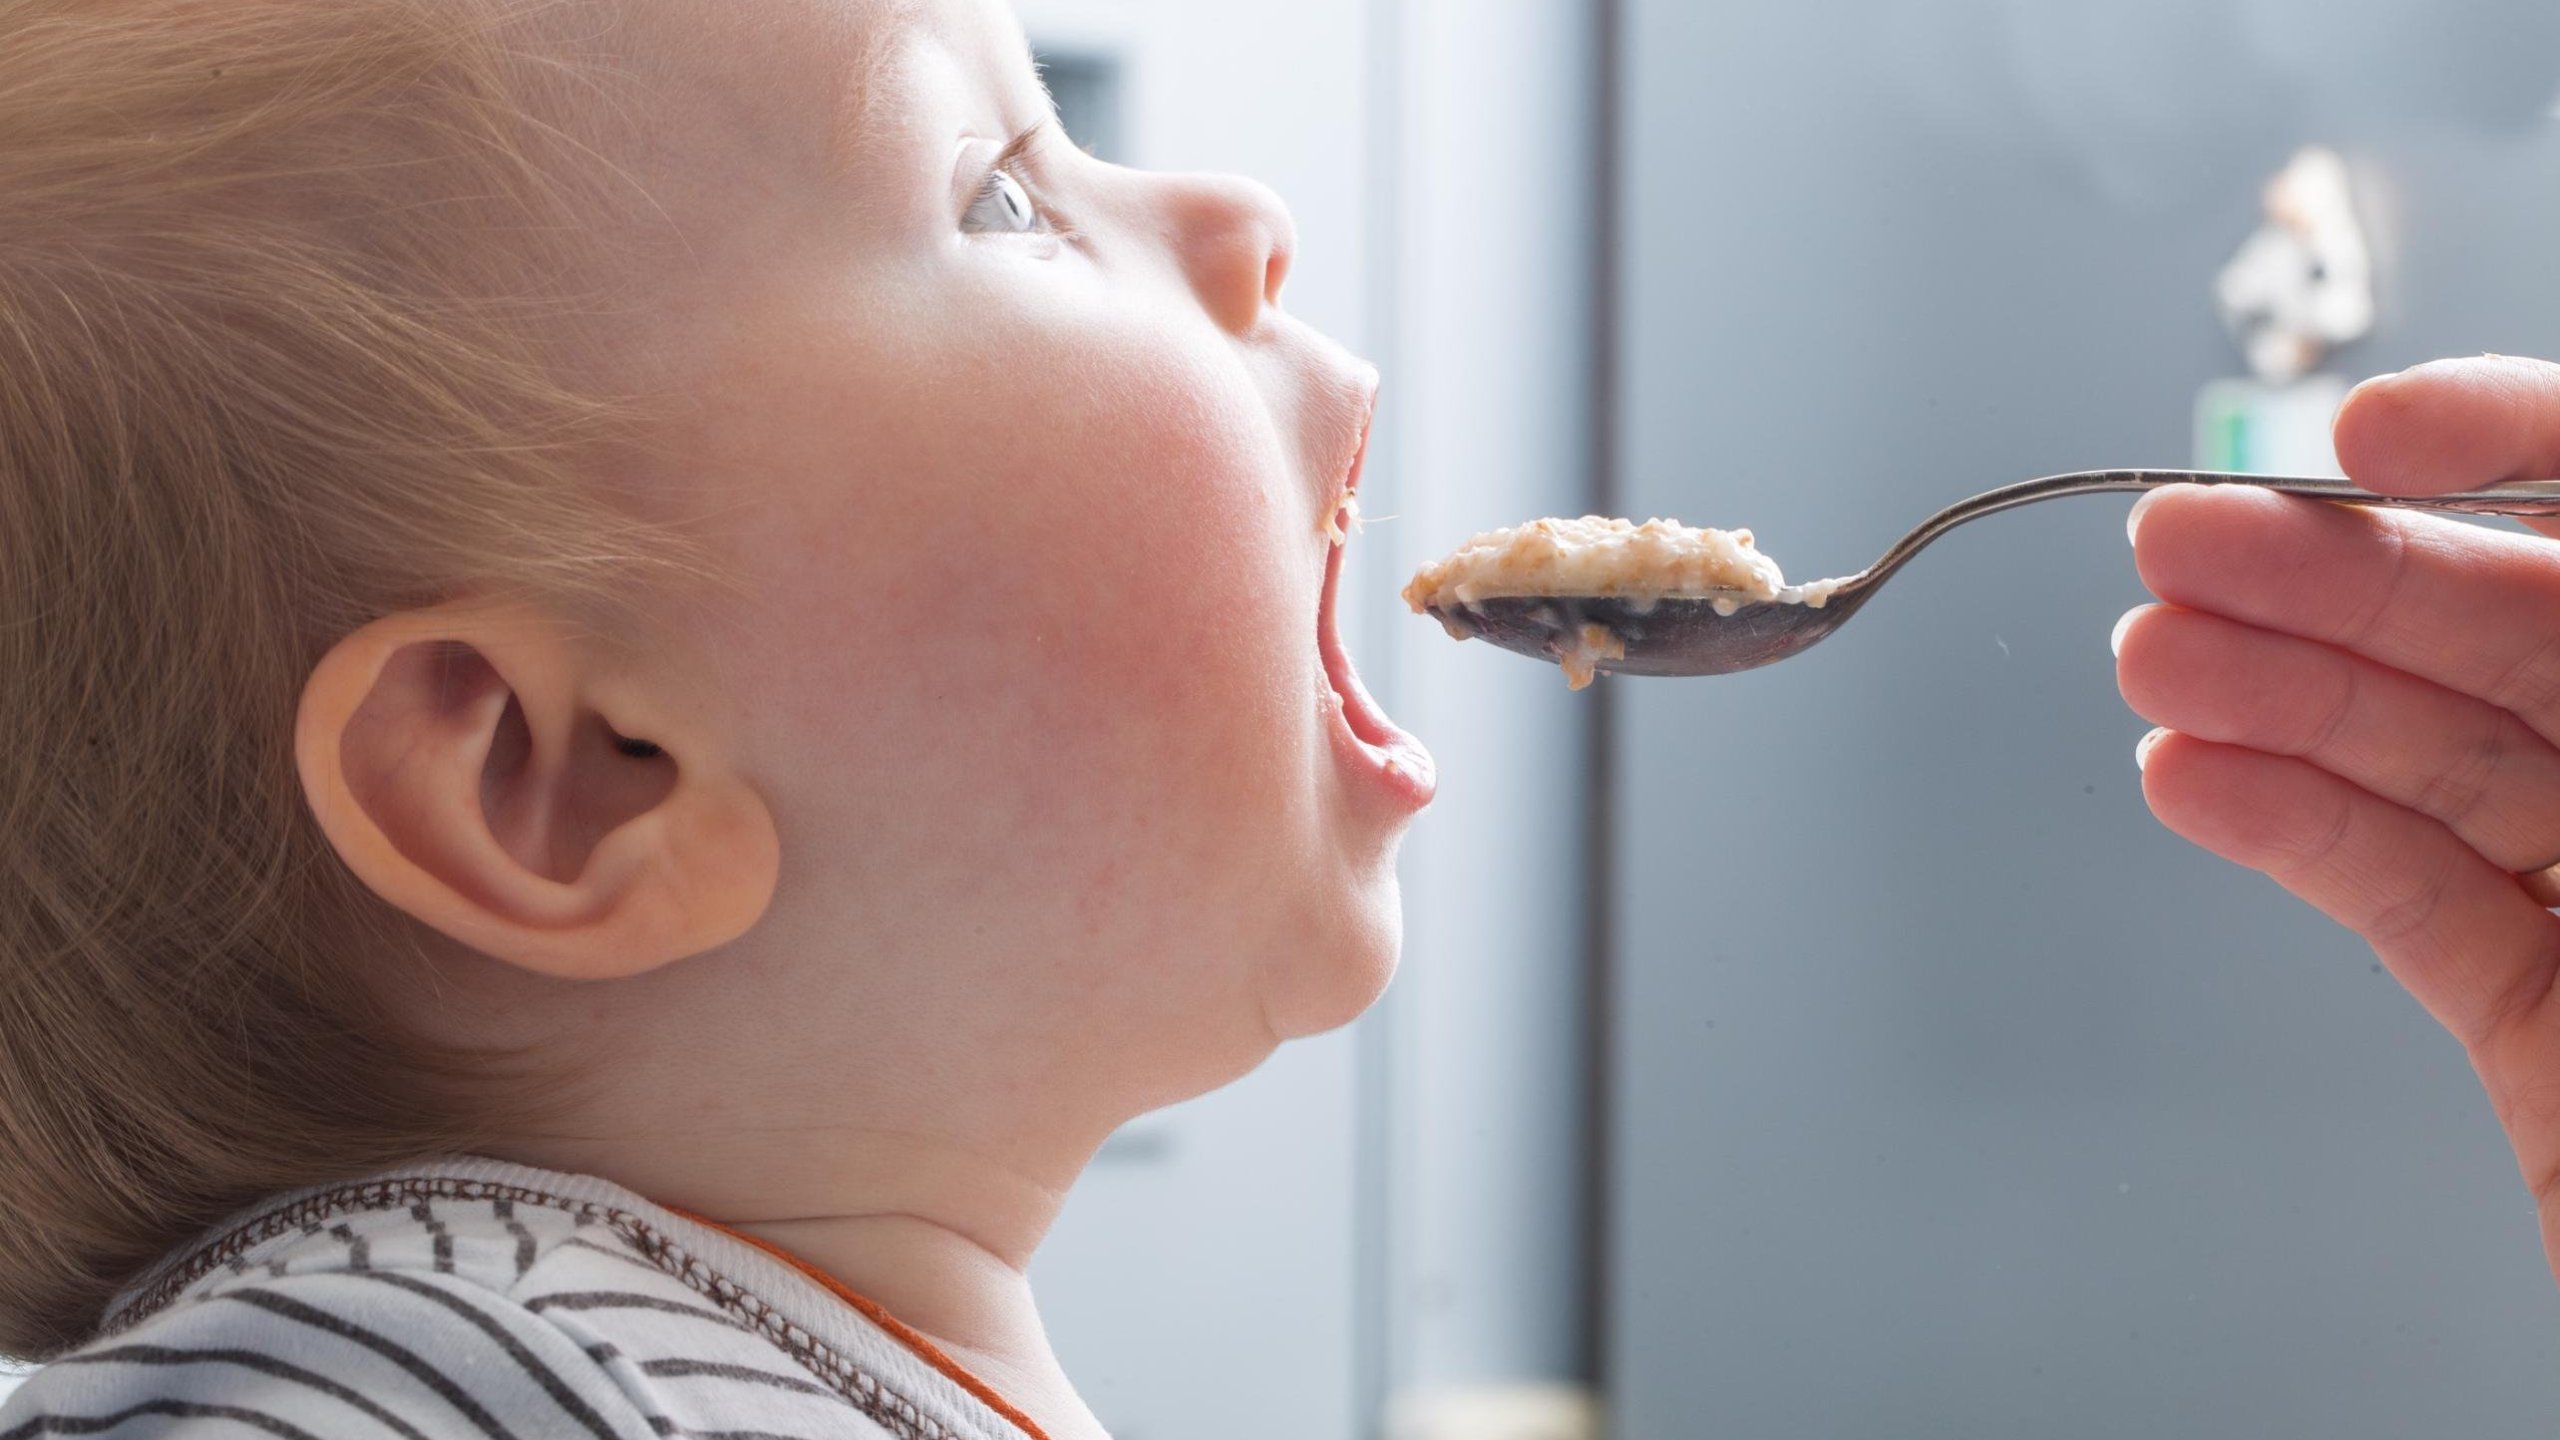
2532, 1110
2503, 1026
2361, 626
2314, 845
2544, 1183
2325, 733
2530, 685
2456, 793
2415, 911
2535, 1108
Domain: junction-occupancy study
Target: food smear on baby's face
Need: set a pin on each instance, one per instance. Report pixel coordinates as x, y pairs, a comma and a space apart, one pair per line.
1612, 558
1343, 520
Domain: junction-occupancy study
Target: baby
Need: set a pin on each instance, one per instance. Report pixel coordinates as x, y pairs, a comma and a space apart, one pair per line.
661, 656
685, 601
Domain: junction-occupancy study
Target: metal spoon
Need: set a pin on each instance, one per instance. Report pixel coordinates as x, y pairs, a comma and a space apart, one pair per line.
1684, 634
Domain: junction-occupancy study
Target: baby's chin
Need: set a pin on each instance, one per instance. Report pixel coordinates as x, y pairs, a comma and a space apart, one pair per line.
1334, 979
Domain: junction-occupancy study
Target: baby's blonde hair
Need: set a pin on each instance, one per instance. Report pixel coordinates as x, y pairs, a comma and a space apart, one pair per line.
287, 296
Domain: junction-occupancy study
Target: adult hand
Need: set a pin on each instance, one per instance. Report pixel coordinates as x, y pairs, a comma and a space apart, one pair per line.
2365, 705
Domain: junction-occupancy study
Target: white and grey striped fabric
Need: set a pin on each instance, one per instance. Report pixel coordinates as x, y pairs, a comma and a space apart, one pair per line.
472, 1300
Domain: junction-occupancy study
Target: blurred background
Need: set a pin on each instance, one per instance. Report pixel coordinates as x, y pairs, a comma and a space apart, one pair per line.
1838, 1049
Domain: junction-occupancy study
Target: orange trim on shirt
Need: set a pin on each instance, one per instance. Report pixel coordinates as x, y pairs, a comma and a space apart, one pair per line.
907, 1335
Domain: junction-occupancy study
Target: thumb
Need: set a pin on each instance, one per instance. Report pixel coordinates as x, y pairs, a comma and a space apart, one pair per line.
2453, 425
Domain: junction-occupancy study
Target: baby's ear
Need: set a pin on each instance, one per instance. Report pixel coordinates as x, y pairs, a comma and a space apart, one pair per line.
485, 772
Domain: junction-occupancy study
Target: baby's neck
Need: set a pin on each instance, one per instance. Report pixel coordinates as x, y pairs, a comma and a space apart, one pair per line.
935, 1233
969, 1302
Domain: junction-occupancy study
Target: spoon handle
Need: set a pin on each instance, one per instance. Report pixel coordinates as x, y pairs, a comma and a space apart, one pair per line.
2535, 498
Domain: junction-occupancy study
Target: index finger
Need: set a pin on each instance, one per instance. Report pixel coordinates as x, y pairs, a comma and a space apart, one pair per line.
2472, 609
2452, 425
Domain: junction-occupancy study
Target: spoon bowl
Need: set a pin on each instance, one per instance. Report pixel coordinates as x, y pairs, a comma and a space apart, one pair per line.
1675, 635
1721, 632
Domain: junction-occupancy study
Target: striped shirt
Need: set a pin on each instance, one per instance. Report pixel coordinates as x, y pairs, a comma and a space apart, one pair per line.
472, 1300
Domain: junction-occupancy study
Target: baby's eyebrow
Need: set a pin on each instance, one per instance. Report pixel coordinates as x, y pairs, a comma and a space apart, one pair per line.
1048, 97
862, 89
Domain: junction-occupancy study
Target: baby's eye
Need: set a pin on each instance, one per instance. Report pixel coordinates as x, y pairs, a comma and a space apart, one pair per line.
1003, 207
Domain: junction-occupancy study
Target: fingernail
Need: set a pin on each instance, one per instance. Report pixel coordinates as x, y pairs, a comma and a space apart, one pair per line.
2133, 517
2115, 642
2142, 748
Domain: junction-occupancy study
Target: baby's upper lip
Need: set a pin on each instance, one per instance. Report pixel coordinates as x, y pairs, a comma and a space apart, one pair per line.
1360, 453
1365, 394
1336, 515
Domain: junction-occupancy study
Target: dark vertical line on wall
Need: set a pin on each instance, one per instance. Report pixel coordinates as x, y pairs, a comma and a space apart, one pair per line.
1599, 816
1373, 1332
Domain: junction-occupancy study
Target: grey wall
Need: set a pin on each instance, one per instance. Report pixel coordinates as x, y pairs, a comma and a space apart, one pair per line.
1486, 418
1956, 1097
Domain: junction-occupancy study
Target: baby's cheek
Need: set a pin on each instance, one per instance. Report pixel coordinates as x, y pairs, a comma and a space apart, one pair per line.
1176, 639
1125, 488
1166, 532
1132, 629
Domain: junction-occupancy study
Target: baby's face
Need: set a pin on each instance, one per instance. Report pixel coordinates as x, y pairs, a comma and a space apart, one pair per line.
1031, 480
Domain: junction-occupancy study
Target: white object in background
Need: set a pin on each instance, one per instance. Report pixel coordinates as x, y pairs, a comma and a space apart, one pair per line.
2303, 284
1495, 1412
2253, 428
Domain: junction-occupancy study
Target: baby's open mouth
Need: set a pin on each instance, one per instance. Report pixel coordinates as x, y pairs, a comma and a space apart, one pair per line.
1394, 755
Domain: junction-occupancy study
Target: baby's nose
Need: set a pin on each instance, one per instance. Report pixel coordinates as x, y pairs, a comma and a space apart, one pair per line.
1236, 240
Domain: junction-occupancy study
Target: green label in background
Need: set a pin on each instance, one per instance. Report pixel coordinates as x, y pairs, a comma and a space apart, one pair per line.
2223, 437
2253, 428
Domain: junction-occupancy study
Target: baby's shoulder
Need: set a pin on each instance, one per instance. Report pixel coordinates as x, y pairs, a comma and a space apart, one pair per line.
426, 1309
